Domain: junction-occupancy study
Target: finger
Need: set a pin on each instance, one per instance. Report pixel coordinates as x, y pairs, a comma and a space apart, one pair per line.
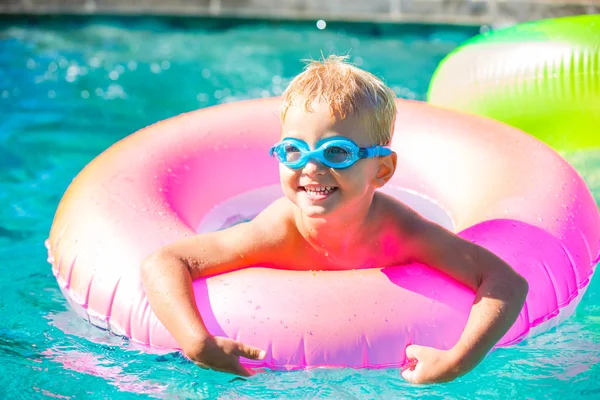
408, 374
240, 370
250, 352
413, 351
232, 368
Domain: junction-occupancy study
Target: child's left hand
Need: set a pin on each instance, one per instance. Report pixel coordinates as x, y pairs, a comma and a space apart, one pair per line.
430, 365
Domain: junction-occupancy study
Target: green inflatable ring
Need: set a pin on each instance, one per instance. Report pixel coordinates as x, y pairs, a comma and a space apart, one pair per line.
542, 77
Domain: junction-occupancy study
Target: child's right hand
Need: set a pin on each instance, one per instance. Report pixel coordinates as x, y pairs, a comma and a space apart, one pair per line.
168, 275
223, 354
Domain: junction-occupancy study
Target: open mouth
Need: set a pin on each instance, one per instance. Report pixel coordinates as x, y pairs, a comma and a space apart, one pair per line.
318, 191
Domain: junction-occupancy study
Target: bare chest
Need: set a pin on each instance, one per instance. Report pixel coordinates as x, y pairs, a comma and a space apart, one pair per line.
377, 252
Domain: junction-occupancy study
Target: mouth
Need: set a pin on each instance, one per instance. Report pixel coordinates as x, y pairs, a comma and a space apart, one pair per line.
318, 192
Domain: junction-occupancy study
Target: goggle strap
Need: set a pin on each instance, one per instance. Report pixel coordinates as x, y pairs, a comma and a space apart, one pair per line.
373, 151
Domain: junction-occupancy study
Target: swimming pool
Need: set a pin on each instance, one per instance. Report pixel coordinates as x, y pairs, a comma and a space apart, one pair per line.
71, 88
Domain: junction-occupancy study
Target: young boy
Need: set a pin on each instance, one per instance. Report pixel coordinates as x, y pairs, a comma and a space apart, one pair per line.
332, 217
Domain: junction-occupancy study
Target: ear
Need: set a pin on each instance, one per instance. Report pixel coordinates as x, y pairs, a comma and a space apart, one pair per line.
386, 169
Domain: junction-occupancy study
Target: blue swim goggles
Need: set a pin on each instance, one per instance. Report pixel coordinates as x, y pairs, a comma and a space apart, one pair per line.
333, 152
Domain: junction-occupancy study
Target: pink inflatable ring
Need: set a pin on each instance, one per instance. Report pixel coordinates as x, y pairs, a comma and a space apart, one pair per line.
490, 183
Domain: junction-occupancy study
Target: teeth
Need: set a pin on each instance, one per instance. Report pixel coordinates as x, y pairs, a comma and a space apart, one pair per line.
319, 189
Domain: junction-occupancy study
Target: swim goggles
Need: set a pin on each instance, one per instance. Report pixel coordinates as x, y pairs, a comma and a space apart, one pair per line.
333, 152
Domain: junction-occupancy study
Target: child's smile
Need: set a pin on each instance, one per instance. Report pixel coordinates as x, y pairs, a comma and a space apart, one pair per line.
317, 188
318, 192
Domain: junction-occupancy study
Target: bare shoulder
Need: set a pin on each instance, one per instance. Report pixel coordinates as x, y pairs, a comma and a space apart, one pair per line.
397, 216
275, 223
422, 240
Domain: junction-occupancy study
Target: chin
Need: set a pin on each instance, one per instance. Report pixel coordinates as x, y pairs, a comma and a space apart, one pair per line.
315, 211
318, 210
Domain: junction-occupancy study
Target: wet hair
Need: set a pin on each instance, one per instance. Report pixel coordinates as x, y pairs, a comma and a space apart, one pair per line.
348, 90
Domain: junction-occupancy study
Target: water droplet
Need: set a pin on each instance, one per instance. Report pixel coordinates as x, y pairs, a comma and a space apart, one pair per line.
227, 321
252, 316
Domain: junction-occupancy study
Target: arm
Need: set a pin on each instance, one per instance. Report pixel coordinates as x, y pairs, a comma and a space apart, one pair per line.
167, 276
499, 297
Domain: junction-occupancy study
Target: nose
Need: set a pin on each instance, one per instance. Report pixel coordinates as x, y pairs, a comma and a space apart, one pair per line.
313, 167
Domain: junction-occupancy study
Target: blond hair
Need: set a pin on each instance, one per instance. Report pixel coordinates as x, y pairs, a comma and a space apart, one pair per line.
348, 90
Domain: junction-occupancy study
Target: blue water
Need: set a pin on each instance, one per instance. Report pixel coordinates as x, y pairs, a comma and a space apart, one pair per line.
71, 88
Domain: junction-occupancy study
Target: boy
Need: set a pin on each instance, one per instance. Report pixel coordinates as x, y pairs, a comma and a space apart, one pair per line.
336, 120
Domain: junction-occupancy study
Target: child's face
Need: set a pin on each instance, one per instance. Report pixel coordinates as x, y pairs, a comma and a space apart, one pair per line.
317, 189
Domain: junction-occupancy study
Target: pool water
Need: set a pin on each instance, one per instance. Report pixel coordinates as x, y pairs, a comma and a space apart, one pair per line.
69, 88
